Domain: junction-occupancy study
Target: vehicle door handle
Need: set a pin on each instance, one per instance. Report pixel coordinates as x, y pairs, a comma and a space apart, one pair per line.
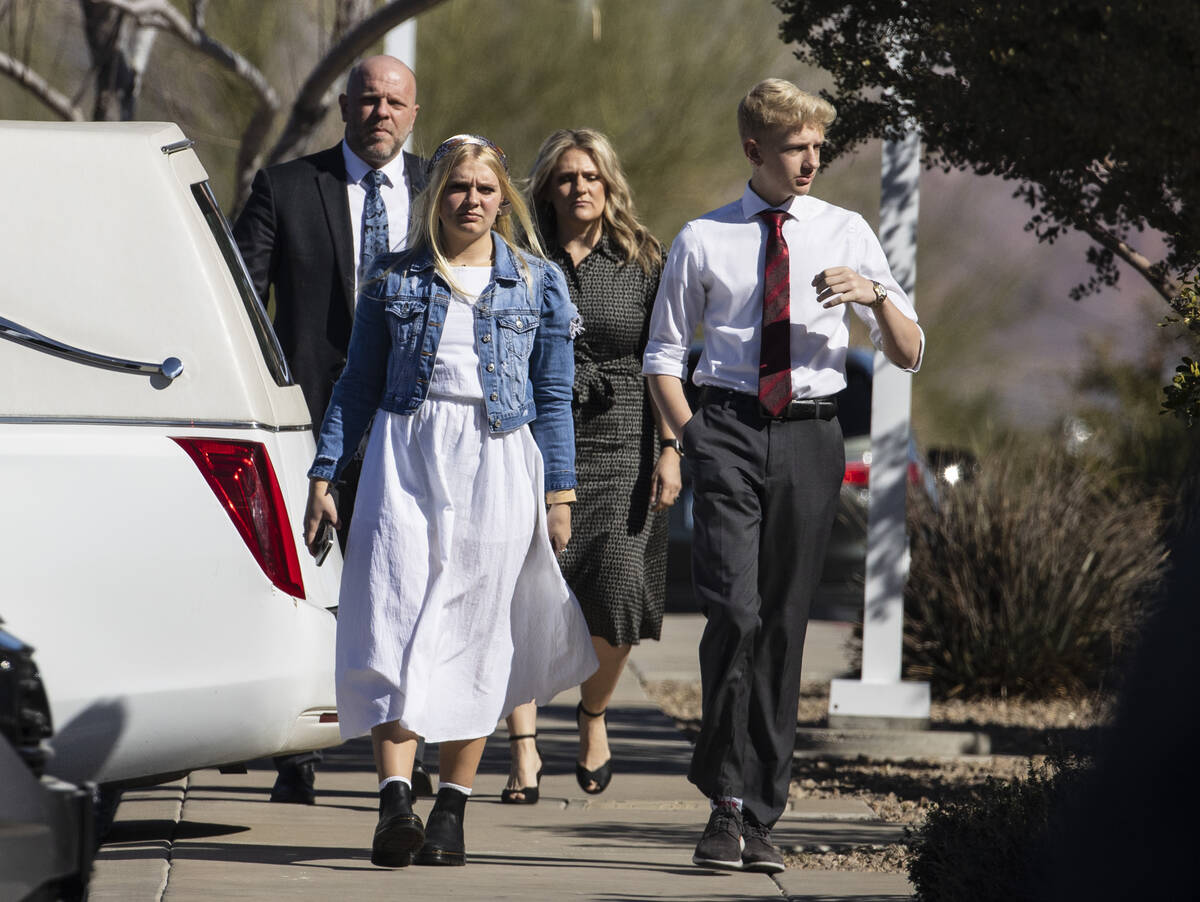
171, 368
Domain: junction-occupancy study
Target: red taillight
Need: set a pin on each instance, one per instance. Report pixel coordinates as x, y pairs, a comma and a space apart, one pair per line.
857, 473
241, 476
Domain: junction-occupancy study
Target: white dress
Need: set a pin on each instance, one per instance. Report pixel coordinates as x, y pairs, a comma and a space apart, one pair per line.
453, 610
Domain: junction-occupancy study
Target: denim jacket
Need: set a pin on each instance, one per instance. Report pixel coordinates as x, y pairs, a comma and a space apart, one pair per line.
523, 333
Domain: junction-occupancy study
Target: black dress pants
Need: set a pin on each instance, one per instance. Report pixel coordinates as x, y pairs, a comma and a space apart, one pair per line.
765, 497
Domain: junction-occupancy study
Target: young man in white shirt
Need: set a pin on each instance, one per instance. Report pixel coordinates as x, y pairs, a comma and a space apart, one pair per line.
771, 278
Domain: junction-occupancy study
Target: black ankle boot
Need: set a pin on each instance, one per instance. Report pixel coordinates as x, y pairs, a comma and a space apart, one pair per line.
444, 843
399, 833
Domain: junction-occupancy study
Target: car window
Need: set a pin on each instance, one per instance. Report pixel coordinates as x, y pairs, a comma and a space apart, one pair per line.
268, 343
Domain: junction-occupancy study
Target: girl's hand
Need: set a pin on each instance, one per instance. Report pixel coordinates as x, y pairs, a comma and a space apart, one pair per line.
558, 524
666, 482
320, 507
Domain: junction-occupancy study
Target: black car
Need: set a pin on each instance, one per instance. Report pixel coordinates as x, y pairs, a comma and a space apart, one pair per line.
47, 827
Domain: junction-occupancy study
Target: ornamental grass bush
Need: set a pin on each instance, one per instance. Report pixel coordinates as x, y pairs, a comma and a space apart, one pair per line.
988, 848
1030, 579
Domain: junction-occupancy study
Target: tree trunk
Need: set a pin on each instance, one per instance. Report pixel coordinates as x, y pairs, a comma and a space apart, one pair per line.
113, 74
347, 14
119, 51
316, 95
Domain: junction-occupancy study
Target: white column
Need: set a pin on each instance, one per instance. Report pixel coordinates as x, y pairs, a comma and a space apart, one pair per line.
880, 694
401, 42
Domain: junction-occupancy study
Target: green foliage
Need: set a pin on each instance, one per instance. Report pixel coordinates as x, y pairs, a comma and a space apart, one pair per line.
1029, 579
1182, 396
984, 849
1128, 432
1082, 103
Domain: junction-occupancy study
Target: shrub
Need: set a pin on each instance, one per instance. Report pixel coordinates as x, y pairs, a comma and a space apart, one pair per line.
1182, 396
1028, 580
987, 848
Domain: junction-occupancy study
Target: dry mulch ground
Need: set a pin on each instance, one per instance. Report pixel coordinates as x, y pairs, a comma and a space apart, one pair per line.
902, 791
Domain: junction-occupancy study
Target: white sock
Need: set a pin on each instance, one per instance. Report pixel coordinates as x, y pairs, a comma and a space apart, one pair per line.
386, 780
732, 801
465, 790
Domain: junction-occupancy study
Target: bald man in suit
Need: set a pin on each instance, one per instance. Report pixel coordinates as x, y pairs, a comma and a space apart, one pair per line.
302, 232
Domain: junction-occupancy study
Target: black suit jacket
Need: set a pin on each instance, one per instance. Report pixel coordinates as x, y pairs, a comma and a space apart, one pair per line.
295, 233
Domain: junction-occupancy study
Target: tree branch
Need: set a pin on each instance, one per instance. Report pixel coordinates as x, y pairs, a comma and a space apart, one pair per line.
162, 15
315, 95
1137, 261
199, 8
32, 82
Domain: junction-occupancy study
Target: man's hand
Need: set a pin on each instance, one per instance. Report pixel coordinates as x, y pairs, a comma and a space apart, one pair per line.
558, 525
842, 285
666, 481
901, 337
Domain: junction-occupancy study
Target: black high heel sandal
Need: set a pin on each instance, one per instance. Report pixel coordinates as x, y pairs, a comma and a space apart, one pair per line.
602, 775
529, 794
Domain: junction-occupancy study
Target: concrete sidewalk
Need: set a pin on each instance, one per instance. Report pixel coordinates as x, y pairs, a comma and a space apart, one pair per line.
215, 836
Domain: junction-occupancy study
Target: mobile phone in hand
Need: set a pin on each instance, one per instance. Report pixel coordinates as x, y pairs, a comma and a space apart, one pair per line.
325, 535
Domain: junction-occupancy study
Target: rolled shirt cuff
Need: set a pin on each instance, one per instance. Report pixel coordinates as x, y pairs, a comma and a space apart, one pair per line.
665, 360
560, 496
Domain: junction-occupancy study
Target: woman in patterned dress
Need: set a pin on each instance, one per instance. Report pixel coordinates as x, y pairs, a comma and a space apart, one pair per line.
452, 609
616, 562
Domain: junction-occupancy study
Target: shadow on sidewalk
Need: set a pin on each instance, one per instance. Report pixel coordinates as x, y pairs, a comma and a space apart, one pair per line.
643, 741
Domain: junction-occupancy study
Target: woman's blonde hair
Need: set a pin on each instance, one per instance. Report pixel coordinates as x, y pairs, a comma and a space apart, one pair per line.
513, 222
774, 103
620, 220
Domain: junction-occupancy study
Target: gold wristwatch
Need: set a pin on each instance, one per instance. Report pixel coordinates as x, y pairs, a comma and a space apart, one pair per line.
880, 295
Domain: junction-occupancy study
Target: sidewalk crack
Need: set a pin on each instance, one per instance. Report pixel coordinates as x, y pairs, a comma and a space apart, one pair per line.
170, 850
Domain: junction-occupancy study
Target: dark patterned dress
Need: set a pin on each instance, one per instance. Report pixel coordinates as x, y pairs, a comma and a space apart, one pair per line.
616, 561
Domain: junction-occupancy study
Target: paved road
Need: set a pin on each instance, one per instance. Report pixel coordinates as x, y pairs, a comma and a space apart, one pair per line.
215, 836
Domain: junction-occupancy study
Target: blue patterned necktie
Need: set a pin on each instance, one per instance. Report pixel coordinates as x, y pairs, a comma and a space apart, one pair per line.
374, 222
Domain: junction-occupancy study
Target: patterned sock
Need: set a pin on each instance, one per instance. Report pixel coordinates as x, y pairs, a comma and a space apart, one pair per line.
729, 801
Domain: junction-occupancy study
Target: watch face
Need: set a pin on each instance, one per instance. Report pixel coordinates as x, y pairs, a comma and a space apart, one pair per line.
880, 293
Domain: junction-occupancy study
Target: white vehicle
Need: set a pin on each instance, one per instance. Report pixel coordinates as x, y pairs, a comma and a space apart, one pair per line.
153, 452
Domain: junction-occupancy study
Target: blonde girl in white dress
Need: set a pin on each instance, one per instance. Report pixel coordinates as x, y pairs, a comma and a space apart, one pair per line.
453, 610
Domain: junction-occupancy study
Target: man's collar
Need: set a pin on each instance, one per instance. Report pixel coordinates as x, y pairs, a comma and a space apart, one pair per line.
356, 168
752, 204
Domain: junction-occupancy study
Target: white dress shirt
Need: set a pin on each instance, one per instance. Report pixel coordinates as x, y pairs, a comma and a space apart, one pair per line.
395, 198
713, 278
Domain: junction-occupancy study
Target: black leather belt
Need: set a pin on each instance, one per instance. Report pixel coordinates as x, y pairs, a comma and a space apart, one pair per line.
805, 409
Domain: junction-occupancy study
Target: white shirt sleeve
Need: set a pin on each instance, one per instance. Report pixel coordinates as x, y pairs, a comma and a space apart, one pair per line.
678, 308
873, 265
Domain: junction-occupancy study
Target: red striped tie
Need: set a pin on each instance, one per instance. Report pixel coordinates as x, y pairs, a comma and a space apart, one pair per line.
775, 351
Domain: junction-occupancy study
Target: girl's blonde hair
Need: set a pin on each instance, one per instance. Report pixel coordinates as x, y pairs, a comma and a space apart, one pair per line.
620, 220
513, 223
